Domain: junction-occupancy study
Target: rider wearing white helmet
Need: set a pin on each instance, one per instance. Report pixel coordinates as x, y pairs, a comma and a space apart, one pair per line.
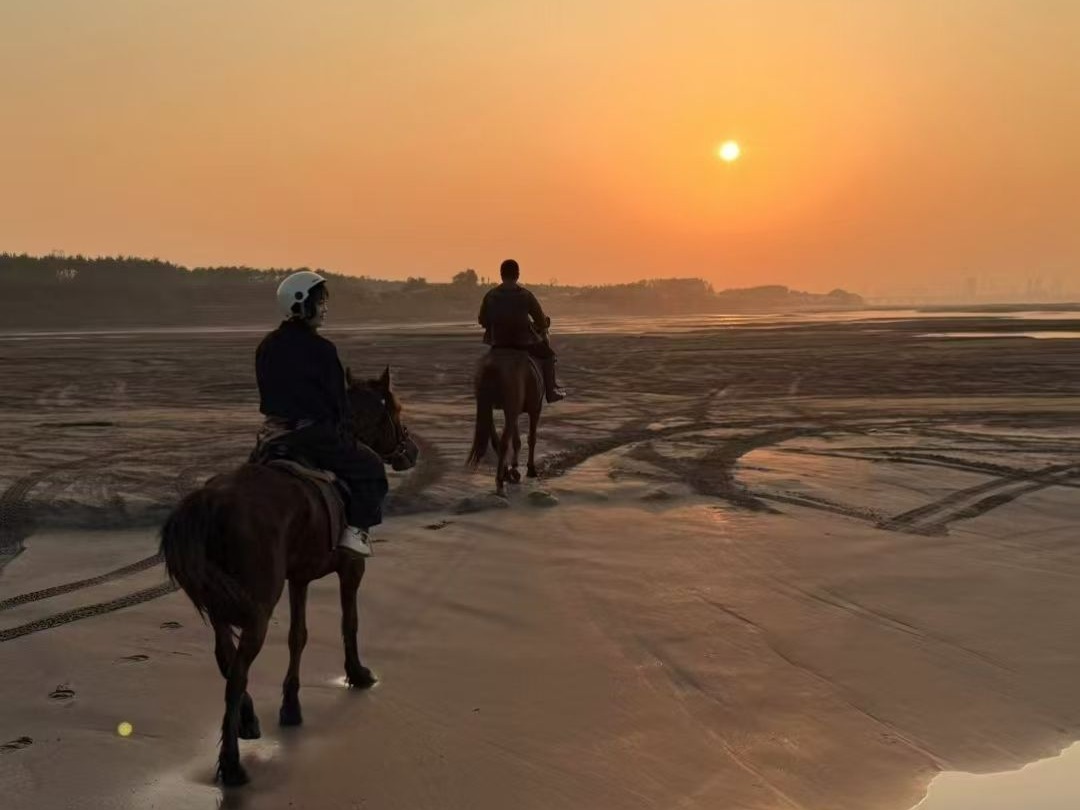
303, 394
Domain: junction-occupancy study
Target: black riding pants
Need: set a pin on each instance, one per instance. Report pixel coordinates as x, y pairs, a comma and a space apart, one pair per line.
356, 464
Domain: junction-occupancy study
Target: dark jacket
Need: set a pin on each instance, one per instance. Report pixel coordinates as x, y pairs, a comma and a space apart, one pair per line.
300, 376
512, 317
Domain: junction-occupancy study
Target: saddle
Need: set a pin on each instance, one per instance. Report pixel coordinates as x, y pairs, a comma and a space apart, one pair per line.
333, 492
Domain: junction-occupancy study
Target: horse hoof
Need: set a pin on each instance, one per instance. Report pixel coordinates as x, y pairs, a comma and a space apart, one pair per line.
362, 678
232, 775
514, 476
290, 716
249, 729
532, 473
249, 721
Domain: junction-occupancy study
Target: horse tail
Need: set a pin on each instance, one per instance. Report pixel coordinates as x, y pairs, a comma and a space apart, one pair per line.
198, 521
485, 414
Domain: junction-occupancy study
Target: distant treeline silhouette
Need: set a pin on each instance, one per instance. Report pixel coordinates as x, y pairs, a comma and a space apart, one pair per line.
59, 291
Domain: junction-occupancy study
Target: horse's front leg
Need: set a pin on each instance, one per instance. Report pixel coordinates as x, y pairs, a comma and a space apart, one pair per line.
290, 714
349, 575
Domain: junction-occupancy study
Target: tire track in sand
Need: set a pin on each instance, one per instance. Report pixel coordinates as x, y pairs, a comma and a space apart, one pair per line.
56, 590
87, 611
921, 520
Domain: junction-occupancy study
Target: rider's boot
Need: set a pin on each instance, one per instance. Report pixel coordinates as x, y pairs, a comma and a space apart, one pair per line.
551, 387
357, 541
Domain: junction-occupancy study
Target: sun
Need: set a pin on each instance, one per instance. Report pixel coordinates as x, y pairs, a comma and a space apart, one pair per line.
729, 151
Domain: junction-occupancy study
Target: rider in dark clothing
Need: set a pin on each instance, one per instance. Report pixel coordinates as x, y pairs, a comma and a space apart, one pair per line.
302, 391
513, 319
300, 376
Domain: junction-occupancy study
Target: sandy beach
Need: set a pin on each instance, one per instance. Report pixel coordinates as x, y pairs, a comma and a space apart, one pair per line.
770, 563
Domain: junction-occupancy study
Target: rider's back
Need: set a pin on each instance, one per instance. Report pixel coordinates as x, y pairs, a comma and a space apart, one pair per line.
509, 313
300, 376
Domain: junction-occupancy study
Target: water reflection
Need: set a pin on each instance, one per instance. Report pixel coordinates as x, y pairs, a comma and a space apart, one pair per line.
1052, 784
1037, 335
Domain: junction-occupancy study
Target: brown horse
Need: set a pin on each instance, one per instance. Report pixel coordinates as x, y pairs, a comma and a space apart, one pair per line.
233, 544
507, 379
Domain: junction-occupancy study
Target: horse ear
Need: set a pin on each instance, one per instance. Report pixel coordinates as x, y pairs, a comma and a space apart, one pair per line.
384, 380
350, 381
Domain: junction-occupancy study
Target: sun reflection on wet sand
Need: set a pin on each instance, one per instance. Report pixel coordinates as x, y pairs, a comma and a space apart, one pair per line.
1037, 335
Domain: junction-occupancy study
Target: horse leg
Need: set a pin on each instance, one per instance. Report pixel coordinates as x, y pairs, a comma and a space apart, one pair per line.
515, 474
504, 451
349, 576
290, 714
225, 652
230, 771
534, 422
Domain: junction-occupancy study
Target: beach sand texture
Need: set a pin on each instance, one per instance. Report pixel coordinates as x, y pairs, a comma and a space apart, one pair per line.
768, 564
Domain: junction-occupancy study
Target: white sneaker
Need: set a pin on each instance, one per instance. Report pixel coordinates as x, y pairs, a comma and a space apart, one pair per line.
358, 540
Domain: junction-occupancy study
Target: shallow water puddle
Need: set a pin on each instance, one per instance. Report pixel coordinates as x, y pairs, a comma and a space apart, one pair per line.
1051, 784
1046, 335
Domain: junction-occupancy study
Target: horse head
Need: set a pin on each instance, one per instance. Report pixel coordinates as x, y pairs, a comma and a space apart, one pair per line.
376, 420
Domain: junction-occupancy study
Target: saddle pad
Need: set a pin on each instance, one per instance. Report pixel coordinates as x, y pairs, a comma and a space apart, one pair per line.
325, 482
300, 471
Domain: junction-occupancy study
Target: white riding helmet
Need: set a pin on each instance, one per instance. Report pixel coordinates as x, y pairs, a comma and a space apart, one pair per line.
294, 291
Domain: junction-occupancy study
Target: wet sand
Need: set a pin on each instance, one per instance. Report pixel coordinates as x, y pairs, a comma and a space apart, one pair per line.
1051, 784
768, 566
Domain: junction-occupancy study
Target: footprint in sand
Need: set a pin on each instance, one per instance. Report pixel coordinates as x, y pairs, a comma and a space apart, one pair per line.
171, 625
62, 693
135, 659
15, 745
434, 527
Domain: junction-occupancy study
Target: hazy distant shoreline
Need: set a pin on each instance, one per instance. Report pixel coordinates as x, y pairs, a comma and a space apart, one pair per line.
67, 292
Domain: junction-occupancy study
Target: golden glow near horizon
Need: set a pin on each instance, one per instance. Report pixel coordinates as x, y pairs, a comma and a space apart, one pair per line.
412, 139
729, 151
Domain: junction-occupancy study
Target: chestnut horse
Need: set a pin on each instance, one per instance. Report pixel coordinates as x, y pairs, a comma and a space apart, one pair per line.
233, 544
507, 379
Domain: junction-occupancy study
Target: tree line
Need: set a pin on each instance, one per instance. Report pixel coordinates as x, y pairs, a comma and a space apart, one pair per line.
61, 291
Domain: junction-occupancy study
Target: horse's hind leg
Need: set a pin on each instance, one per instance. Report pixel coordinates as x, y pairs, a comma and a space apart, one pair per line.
290, 714
514, 474
534, 422
225, 652
349, 576
502, 470
230, 771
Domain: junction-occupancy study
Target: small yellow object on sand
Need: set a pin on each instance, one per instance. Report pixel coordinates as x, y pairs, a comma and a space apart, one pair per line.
125, 729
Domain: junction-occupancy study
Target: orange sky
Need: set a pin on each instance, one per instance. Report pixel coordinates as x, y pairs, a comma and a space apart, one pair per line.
887, 144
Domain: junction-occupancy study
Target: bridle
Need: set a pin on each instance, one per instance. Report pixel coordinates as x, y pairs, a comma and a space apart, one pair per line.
396, 427
401, 437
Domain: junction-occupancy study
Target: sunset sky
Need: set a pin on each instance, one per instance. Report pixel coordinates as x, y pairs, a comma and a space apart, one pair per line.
886, 144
